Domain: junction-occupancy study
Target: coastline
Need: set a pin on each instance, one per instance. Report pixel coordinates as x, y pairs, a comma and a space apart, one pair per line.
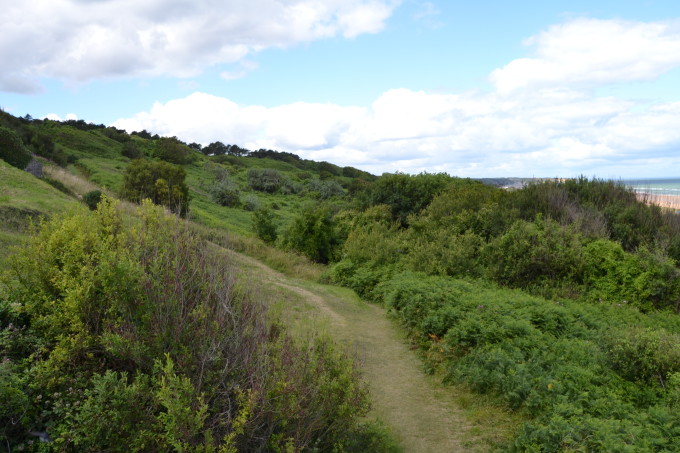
665, 201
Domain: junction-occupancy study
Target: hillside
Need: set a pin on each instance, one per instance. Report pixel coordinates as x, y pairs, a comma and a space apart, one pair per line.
554, 306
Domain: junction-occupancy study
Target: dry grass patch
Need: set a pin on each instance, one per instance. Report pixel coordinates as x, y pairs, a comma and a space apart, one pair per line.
75, 183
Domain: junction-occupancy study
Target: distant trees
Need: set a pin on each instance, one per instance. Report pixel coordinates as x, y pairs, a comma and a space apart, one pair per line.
161, 182
220, 149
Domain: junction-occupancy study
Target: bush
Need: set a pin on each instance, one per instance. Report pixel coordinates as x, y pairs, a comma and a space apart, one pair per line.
161, 182
264, 225
313, 234
406, 194
12, 150
92, 199
250, 202
265, 179
138, 340
325, 189
225, 192
535, 253
131, 150
173, 151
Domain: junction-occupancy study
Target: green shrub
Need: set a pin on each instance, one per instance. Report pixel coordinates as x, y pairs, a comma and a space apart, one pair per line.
265, 179
131, 150
136, 339
170, 149
406, 194
529, 253
264, 225
645, 354
225, 192
313, 234
161, 182
12, 150
92, 199
250, 202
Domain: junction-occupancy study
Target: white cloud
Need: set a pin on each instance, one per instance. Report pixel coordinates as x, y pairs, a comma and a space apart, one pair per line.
79, 40
543, 123
590, 52
471, 134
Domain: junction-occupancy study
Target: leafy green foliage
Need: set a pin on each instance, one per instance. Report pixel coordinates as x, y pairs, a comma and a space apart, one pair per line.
579, 372
131, 150
406, 194
92, 199
136, 338
12, 149
161, 182
225, 192
265, 180
264, 225
170, 149
313, 234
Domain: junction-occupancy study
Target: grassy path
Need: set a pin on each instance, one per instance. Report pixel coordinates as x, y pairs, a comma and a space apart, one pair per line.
421, 412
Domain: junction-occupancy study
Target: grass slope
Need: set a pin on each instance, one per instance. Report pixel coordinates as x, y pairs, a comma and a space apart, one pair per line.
24, 199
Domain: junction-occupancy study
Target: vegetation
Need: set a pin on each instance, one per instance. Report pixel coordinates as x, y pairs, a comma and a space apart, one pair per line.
12, 150
560, 300
161, 182
136, 338
588, 357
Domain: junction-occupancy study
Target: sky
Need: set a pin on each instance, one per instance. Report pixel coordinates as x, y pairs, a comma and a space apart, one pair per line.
488, 88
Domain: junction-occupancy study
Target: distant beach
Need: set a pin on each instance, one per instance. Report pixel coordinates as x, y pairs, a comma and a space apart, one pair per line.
663, 200
664, 192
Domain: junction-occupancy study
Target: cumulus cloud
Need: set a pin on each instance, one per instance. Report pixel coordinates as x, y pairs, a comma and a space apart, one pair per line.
543, 118
470, 134
80, 40
590, 52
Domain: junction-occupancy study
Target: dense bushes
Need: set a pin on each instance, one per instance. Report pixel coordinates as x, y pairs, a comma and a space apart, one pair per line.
161, 182
596, 365
122, 339
12, 150
583, 376
406, 194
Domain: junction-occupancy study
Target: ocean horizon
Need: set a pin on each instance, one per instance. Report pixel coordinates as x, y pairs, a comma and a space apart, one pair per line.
656, 186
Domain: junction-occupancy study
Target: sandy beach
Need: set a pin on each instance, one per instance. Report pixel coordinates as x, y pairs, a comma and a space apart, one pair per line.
665, 201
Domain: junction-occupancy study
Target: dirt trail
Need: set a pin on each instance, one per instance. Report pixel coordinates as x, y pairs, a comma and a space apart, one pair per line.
419, 410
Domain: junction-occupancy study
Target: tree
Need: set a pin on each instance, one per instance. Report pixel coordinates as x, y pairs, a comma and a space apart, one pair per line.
170, 149
12, 150
161, 182
215, 149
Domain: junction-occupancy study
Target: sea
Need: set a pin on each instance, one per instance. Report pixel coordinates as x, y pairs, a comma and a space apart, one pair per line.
655, 186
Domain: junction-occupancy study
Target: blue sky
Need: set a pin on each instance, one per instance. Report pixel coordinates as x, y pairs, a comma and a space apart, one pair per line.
481, 89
